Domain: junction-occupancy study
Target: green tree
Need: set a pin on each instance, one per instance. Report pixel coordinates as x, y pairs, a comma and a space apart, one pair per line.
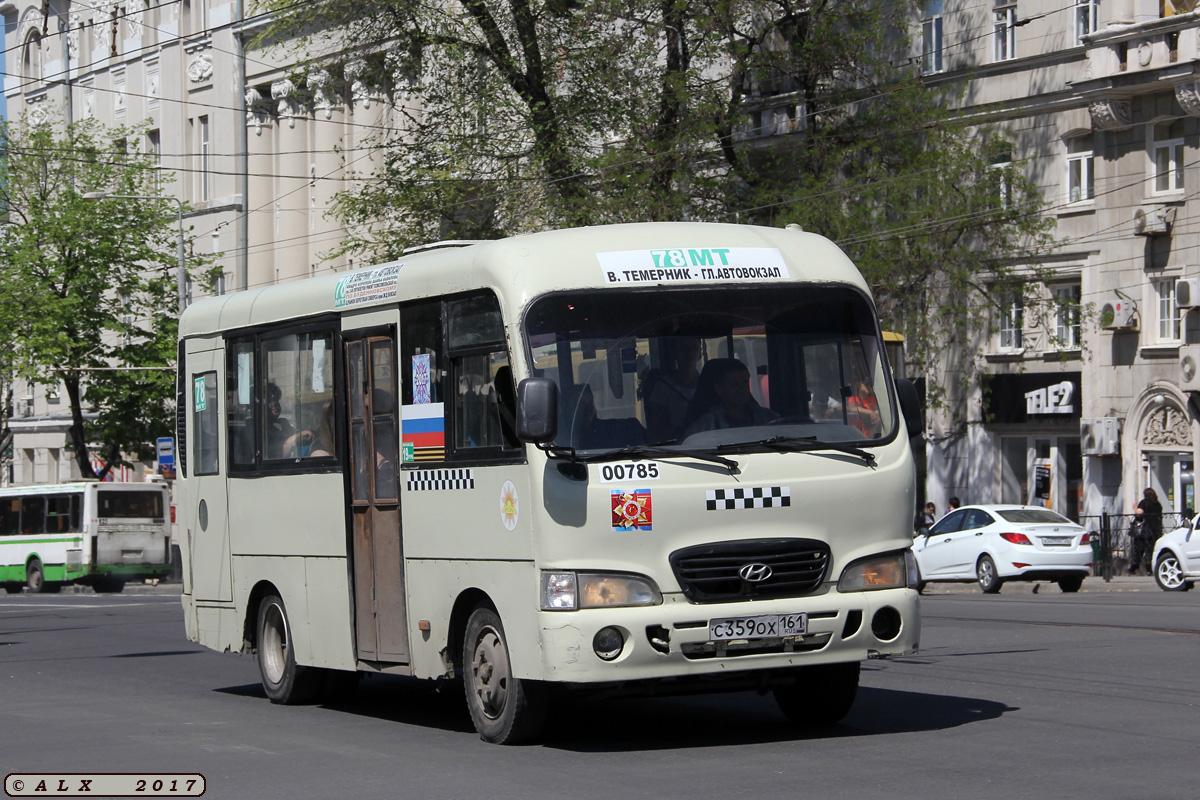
88, 289
514, 115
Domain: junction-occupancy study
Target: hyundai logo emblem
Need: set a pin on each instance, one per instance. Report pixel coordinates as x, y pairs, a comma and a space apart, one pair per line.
755, 573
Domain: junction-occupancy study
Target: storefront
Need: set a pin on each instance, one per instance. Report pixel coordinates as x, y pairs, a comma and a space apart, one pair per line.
1034, 421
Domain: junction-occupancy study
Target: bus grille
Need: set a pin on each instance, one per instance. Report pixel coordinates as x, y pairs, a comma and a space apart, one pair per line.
712, 573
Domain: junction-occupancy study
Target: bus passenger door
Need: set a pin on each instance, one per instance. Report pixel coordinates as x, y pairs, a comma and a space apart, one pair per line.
380, 619
204, 516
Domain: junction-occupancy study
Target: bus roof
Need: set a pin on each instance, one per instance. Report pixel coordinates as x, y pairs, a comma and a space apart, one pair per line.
519, 269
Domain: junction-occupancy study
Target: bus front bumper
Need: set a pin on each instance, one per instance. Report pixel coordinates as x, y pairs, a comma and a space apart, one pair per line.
673, 640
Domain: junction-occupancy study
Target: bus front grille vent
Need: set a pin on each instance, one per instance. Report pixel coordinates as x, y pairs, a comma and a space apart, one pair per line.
750, 569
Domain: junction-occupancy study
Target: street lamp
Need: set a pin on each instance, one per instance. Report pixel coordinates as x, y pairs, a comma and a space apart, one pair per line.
182, 278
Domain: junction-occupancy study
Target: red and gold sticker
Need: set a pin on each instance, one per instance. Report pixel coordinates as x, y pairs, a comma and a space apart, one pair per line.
631, 510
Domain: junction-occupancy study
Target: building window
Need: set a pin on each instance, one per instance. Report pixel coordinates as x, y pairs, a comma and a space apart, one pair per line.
1087, 18
931, 38
1011, 320
1081, 181
204, 151
1067, 333
1166, 152
32, 58
1168, 312
1002, 179
1005, 30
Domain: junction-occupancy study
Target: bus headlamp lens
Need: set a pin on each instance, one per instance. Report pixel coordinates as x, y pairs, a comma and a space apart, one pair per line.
567, 591
874, 573
558, 591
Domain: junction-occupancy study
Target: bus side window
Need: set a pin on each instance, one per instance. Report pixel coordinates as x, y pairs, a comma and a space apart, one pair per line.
478, 360
58, 514
10, 516
205, 423
33, 514
240, 417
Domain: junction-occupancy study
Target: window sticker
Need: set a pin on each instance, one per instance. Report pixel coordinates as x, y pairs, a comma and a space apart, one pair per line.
369, 286
693, 265
200, 395
423, 428
631, 510
510, 506
420, 379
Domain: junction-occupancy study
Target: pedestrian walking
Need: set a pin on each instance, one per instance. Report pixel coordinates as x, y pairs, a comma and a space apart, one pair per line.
1145, 531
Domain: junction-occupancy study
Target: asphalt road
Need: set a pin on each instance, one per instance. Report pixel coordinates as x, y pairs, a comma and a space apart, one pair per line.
1091, 695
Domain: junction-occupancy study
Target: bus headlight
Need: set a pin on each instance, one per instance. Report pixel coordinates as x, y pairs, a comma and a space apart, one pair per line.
567, 591
875, 572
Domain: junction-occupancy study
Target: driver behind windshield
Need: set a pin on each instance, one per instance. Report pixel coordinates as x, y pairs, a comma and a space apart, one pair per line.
723, 399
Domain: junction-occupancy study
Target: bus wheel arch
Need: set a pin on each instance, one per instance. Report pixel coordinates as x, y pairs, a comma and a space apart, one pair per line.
466, 602
250, 623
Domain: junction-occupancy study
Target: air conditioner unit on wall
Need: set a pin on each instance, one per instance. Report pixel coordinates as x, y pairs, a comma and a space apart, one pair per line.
1154, 221
1187, 292
1118, 313
1100, 437
1189, 368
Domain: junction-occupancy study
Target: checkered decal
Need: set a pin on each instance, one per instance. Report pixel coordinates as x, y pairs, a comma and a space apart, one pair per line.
432, 480
753, 497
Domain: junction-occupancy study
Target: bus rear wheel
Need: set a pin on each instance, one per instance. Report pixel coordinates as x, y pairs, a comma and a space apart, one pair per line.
284, 681
821, 695
504, 709
35, 579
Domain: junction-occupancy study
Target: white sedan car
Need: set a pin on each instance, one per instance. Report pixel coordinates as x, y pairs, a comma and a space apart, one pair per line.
993, 544
1177, 558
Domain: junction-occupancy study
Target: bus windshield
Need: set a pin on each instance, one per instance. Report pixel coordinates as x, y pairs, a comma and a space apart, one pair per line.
706, 368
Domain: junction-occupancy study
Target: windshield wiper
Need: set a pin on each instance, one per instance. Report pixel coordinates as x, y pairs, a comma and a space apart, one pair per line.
636, 451
802, 444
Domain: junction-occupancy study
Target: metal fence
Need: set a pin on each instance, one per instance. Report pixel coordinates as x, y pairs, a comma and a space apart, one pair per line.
1112, 540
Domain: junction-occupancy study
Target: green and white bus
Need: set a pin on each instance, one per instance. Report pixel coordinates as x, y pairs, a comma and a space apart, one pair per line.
96, 534
645, 458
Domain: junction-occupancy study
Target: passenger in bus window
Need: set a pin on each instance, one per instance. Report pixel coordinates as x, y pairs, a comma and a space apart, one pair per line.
862, 409
281, 434
322, 443
723, 399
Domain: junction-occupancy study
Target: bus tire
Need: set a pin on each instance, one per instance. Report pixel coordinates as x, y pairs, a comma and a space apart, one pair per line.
284, 681
821, 696
504, 709
35, 577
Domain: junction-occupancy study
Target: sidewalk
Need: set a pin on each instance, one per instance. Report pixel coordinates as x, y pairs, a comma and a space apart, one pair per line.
1093, 583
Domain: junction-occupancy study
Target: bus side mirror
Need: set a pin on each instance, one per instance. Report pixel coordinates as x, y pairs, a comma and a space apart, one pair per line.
537, 410
910, 406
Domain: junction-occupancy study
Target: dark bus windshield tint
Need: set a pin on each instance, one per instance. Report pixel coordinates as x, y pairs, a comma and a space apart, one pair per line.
131, 504
705, 367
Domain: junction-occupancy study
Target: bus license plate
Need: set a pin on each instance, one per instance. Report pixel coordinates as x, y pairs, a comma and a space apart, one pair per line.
766, 627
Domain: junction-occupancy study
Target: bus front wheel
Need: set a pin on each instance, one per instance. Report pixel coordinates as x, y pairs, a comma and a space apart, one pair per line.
283, 679
504, 709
